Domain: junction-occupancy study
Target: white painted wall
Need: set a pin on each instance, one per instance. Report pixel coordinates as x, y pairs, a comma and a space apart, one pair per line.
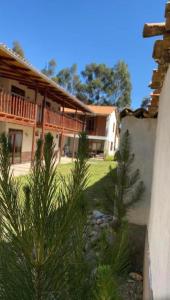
111, 125
142, 137
159, 222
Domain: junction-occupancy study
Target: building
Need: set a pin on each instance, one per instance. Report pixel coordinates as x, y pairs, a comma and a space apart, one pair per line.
141, 125
157, 254
31, 105
102, 130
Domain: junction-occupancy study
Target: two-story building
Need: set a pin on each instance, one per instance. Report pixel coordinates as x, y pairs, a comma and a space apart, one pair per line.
31, 104
102, 130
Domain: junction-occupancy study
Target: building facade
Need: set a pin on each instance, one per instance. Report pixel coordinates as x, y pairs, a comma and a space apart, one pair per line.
102, 130
31, 105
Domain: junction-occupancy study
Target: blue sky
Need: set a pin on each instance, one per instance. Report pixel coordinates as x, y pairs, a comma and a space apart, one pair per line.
85, 31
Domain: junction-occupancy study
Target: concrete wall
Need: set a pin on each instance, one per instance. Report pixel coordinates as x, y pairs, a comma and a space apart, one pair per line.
159, 221
142, 136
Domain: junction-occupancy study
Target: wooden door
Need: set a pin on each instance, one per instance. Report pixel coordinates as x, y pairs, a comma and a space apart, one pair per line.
15, 143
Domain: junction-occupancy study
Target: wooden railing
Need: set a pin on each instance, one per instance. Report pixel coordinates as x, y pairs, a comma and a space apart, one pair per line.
15, 106
57, 119
19, 110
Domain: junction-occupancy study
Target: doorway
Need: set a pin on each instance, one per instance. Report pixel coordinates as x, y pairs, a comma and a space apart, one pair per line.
15, 144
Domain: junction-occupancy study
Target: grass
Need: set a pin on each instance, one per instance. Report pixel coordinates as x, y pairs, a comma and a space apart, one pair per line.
99, 181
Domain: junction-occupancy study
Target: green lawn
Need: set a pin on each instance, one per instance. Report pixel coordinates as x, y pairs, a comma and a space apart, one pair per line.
99, 183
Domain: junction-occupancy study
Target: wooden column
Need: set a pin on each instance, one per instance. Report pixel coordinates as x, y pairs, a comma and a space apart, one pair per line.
84, 123
34, 127
74, 137
43, 115
62, 134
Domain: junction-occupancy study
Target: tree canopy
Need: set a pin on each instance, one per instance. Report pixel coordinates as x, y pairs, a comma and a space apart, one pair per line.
98, 83
17, 48
49, 69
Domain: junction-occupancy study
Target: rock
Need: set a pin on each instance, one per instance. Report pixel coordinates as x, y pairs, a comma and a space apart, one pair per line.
136, 276
97, 214
99, 221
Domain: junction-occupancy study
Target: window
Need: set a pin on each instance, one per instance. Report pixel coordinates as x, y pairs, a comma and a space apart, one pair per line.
17, 91
90, 124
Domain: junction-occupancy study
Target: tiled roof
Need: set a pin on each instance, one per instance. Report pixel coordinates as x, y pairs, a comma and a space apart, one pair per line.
139, 113
102, 110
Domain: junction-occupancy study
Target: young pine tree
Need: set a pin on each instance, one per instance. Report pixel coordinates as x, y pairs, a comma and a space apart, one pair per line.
127, 187
42, 235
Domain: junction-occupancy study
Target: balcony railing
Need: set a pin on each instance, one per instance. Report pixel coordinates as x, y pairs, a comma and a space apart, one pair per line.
16, 107
58, 120
19, 110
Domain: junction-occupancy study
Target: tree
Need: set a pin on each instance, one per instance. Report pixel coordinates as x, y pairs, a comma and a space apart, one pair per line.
127, 187
145, 102
43, 236
68, 79
98, 83
122, 94
18, 49
49, 70
104, 85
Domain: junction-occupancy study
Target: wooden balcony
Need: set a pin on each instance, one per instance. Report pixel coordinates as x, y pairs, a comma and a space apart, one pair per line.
15, 109
58, 121
18, 110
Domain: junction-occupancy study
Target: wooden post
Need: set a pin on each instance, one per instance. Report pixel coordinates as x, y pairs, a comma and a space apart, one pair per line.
34, 127
84, 123
62, 134
74, 137
43, 115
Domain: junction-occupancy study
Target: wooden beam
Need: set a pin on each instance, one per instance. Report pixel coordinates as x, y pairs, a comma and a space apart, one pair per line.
34, 127
167, 9
153, 29
161, 51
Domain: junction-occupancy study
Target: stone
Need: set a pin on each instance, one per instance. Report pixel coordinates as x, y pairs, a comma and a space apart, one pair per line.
97, 214
136, 276
99, 221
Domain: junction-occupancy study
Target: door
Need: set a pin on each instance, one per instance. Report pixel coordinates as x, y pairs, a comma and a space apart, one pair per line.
15, 144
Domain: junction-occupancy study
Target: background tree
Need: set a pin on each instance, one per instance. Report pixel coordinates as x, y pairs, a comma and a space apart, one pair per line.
69, 79
49, 69
145, 102
98, 83
17, 48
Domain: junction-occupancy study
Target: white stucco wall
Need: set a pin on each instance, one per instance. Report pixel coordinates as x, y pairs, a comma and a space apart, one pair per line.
159, 222
142, 137
111, 124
